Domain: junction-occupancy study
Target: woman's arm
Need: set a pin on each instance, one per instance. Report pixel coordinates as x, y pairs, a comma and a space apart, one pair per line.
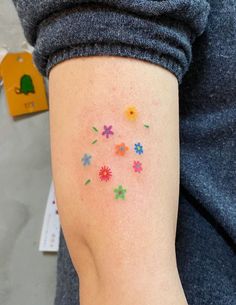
123, 249
120, 232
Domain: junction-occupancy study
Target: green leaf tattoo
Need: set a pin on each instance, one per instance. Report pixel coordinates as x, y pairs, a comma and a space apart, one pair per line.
146, 126
120, 192
95, 129
94, 142
88, 181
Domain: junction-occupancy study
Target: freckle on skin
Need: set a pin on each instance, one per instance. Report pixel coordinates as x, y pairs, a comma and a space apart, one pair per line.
156, 103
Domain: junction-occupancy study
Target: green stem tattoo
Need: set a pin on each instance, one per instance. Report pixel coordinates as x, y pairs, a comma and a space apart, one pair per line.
88, 181
95, 129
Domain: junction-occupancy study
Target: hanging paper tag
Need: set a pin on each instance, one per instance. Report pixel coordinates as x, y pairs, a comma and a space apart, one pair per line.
23, 84
1, 81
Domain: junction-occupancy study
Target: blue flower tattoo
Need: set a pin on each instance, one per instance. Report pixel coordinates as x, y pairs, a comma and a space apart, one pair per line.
138, 148
86, 160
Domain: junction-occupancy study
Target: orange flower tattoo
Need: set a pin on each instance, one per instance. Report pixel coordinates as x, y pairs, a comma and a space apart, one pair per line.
121, 149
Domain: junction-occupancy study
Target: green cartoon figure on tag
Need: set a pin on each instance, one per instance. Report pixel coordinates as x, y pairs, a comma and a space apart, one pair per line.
26, 85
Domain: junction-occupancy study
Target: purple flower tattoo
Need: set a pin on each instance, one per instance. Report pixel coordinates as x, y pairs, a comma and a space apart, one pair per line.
107, 131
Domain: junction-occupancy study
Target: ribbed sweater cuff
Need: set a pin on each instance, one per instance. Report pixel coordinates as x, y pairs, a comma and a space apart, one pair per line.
162, 36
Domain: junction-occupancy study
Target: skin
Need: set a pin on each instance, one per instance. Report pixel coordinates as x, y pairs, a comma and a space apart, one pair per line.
122, 250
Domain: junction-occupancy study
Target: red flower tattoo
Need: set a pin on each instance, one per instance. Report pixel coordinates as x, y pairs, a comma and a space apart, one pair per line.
105, 173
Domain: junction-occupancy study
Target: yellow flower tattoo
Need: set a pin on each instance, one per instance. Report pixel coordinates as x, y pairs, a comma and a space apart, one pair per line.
131, 113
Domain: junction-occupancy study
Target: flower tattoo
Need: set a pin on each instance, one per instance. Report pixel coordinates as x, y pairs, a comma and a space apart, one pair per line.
131, 113
86, 160
107, 131
120, 192
105, 173
121, 149
137, 166
138, 148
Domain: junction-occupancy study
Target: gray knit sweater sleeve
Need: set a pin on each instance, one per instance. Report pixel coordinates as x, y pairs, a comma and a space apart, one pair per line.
161, 32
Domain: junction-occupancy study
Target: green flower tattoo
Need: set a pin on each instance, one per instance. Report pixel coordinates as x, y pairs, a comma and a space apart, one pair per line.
120, 192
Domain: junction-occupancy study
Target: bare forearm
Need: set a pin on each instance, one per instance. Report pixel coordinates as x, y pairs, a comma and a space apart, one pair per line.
120, 228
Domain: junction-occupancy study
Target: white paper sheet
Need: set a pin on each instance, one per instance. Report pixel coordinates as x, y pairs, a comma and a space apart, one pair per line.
49, 240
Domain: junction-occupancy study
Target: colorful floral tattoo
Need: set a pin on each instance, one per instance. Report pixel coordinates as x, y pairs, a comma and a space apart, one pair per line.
105, 173
120, 192
137, 166
107, 131
86, 160
131, 113
121, 149
138, 148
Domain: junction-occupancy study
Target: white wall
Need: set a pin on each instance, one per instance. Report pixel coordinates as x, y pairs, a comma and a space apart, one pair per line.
27, 277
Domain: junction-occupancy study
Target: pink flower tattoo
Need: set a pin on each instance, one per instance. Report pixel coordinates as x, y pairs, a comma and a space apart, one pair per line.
107, 131
137, 166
